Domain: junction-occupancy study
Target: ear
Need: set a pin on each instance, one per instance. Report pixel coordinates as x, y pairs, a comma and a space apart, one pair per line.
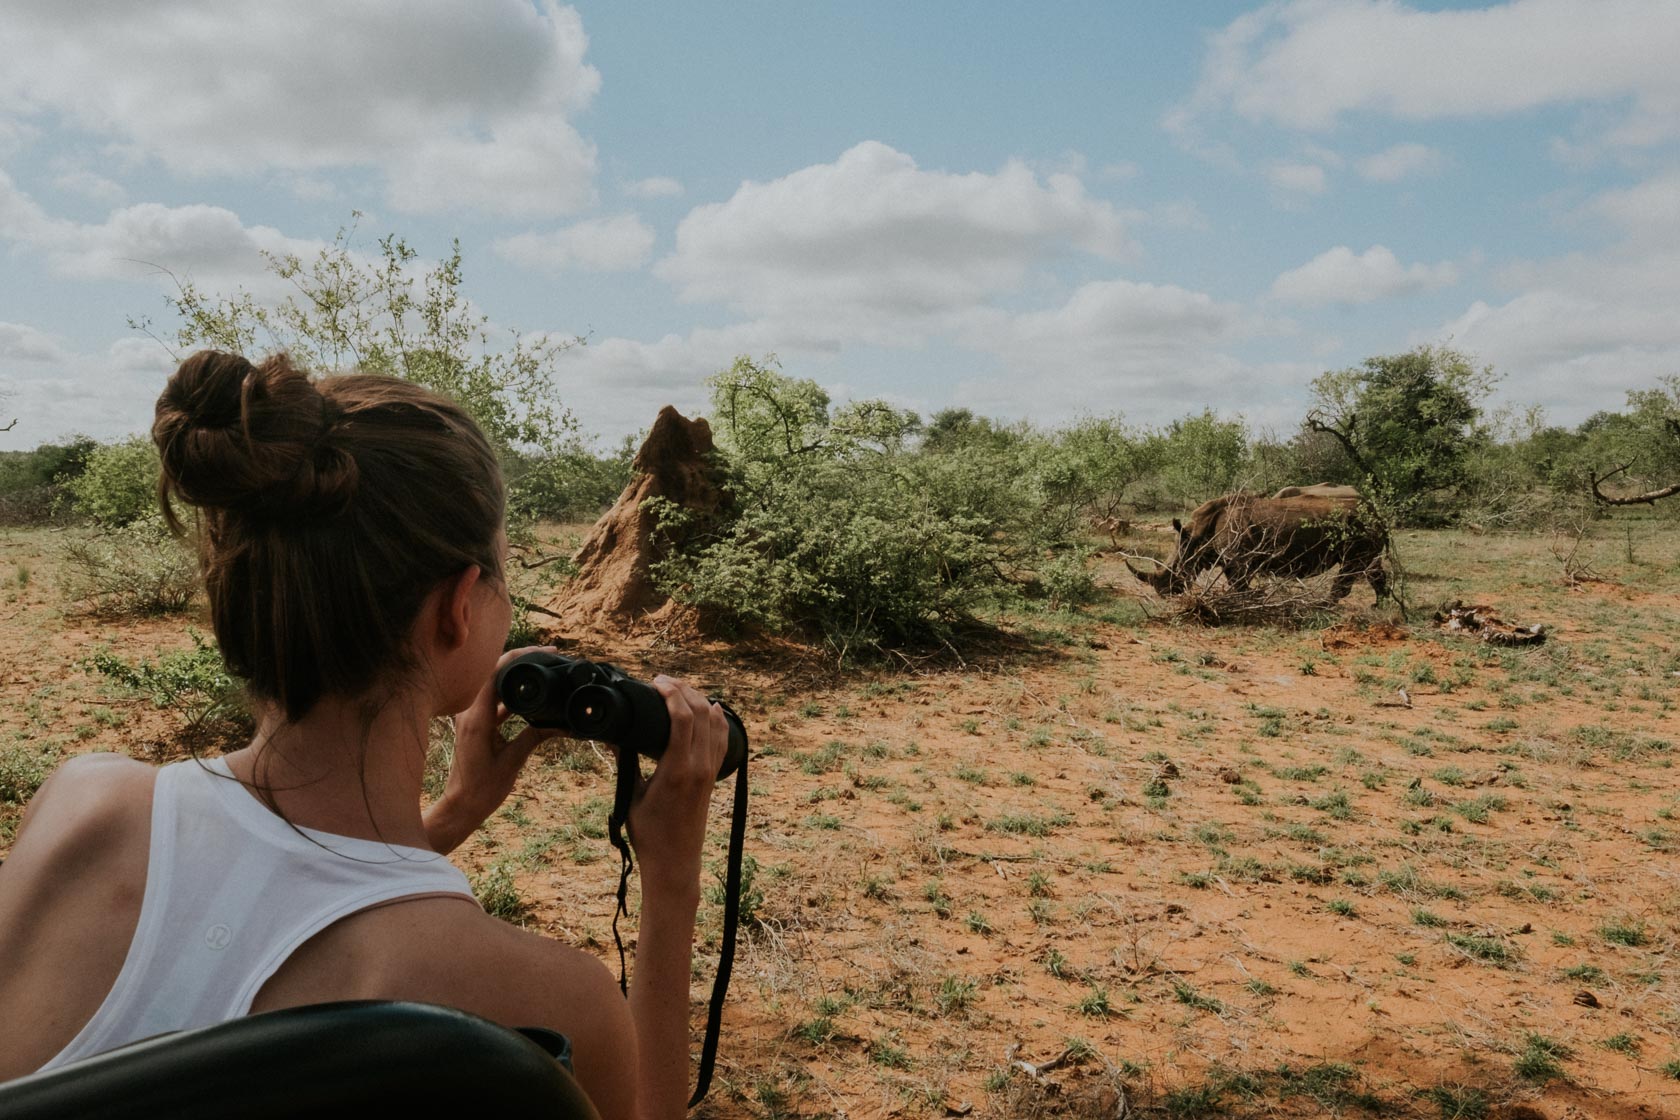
454, 610
1177, 528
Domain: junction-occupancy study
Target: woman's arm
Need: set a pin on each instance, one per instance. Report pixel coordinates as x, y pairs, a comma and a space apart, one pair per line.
668, 830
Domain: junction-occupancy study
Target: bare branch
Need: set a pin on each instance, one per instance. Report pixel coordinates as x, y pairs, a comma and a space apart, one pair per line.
1650, 497
10, 426
1315, 421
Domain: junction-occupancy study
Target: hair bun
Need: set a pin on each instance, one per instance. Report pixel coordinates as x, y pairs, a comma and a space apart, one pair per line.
256, 440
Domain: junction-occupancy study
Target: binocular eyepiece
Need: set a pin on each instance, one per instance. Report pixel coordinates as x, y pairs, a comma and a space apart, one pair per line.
594, 700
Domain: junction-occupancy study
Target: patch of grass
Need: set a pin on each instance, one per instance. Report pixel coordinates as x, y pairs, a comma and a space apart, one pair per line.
1095, 1003
955, 994
1424, 917
1623, 1043
1478, 810
1342, 907
1586, 973
1334, 805
977, 923
1028, 824
1492, 950
499, 894
1459, 1103
1300, 773
1540, 1058
1190, 997
1624, 932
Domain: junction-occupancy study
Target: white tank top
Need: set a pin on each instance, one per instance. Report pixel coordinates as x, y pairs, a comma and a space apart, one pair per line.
232, 890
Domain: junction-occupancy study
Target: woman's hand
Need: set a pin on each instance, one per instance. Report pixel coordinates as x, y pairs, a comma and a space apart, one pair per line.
668, 812
482, 773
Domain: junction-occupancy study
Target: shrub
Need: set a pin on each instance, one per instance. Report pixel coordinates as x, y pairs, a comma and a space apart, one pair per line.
136, 568
840, 530
23, 767
194, 684
118, 483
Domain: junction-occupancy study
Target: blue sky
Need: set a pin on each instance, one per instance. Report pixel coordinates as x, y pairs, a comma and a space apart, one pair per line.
1034, 211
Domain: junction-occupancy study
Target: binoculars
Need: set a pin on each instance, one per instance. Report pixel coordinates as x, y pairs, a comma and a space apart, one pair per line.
594, 700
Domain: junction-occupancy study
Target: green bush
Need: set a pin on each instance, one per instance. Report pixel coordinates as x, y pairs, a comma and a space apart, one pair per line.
118, 483
32, 482
194, 684
840, 529
135, 569
23, 767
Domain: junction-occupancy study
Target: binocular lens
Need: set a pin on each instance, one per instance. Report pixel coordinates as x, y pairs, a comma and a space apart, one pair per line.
595, 711
523, 689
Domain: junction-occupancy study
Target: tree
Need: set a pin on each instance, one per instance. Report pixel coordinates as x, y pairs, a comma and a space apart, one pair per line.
1645, 441
1200, 457
1407, 421
388, 314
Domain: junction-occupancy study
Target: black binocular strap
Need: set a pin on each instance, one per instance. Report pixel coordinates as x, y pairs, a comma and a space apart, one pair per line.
629, 768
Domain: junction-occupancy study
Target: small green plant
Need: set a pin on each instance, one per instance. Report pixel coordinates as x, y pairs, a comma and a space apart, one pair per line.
1490, 949
23, 767
1056, 964
1095, 1003
1623, 1043
193, 684
1190, 997
1459, 1103
1341, 906
1539, 1058
499, 894
1424, 917
955, 994
1624, 933
934, 893
1586, 973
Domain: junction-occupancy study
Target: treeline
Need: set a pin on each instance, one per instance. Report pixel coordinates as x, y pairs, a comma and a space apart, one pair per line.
1427, 447
862, 524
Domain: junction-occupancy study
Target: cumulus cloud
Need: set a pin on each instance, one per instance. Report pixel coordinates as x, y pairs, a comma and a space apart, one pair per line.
457, 106
1153, 351
22, 343
877, 248
1304, 64
1297, 178
204, 243
660, 186
616, 244
1339, 276
1399, 162
1584, 327
59, 392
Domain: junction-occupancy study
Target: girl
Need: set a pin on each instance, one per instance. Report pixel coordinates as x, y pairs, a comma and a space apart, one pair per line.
350, 535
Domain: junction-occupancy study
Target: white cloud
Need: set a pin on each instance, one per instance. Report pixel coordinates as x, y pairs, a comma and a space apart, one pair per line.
91, 186
872, 247
1153, 351
456, 105
204, 243
660, 186
1339, 276
105, 394
22, 343
1306, 63
1393, 164
1585, 327
616, 244
1298, 178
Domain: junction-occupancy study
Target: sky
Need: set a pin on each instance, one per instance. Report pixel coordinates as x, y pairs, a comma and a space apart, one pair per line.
1034, 211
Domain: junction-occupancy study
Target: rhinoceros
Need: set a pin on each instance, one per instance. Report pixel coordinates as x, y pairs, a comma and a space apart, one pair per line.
1246, 535
1320, 490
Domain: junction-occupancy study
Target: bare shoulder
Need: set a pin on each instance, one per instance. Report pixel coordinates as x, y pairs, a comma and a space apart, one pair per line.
91, 798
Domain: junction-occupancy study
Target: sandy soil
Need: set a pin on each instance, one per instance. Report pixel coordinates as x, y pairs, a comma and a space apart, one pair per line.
1205, 872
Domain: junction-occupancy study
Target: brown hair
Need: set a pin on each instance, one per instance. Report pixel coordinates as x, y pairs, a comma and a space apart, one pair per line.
329, 510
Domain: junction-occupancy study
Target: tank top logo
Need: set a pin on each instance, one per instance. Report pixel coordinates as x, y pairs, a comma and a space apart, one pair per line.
218, 936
